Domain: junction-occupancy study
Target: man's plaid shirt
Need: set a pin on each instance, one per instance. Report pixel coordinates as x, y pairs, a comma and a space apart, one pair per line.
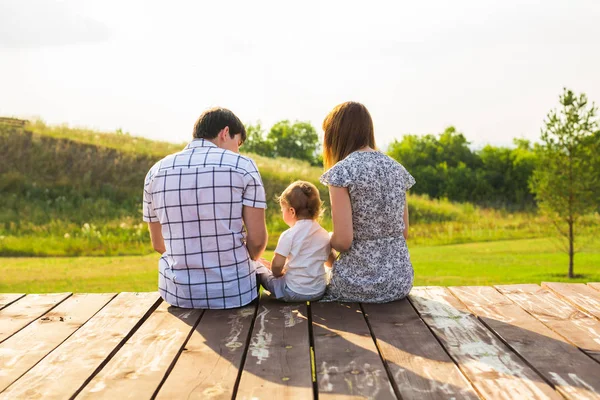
197, 195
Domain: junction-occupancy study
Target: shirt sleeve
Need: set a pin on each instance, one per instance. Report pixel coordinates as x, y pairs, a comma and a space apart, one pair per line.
254, 191
337, 175
284, 245
149, 215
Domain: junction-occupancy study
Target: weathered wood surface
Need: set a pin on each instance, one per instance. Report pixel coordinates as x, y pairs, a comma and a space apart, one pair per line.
513, 341
420, 367
9, 298
578, 294
496, 372
278, 359
209, 364
66, 369
577, 327
23, 312
535, 342
347, 362
139, 366
24, 349
594, 285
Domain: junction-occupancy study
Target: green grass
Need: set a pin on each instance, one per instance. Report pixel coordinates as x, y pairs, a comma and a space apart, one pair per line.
488, 263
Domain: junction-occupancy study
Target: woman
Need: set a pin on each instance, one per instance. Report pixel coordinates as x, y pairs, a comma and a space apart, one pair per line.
369, 212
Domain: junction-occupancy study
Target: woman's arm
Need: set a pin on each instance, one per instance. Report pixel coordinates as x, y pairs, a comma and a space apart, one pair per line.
277, 265
405, 221
341, 215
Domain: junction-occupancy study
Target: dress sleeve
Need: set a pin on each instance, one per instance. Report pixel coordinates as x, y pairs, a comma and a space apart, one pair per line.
337, 175
407, 179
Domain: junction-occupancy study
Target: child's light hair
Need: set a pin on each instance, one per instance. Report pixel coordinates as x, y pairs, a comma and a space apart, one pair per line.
303, 197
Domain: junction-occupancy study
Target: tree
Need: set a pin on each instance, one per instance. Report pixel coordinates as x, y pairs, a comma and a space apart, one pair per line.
565, 181
256, 142
298, 140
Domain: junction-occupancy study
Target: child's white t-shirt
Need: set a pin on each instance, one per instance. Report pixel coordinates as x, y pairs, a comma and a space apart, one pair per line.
306, 247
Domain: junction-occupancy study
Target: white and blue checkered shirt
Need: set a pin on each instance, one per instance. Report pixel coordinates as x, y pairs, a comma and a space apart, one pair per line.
197, 195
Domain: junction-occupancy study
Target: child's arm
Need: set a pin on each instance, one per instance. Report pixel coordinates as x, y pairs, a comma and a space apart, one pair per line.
277, 265
331, 259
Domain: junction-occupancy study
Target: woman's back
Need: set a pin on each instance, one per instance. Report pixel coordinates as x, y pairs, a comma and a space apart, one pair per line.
377, 266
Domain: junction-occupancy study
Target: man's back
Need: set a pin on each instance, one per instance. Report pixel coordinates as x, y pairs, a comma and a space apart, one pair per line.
198, 196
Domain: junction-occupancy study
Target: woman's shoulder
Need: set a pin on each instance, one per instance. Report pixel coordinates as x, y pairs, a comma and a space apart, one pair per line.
337, 175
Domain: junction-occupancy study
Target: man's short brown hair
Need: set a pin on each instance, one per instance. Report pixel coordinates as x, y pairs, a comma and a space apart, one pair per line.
213, 120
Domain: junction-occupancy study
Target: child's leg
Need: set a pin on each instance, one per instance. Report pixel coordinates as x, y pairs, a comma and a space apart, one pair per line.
290, 296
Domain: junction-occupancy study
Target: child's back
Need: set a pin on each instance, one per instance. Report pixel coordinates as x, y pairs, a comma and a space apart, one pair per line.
306, 247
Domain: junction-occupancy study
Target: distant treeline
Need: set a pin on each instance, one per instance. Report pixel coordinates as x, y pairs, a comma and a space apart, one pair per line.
444, 166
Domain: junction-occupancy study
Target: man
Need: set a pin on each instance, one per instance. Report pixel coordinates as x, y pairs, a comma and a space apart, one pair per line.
196, 203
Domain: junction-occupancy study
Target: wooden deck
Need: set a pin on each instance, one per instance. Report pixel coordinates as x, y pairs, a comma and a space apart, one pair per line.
503, 342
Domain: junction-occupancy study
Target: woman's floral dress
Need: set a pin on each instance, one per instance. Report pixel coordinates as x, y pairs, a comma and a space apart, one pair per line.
377, 267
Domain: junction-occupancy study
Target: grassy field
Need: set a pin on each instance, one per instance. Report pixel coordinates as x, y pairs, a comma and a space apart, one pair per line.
83, 232
486, 263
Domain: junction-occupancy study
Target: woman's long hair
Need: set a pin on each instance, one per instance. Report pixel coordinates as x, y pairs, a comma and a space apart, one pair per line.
348, 127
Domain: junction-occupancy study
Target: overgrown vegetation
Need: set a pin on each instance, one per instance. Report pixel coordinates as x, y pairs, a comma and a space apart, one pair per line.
70, 192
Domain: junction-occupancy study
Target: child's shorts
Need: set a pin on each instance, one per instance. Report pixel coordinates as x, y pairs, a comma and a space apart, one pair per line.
278, 287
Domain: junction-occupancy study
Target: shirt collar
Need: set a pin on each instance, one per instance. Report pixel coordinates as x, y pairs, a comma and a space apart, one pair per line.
199, 143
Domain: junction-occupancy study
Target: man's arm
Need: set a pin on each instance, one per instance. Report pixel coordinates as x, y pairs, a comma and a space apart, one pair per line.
158, 242
256, 229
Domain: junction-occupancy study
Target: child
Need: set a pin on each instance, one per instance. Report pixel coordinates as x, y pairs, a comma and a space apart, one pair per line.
297, 272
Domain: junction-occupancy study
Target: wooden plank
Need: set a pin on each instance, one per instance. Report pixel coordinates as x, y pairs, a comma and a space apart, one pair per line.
209, 364
62, 372
495, 371
578, 294
136, 371
277, 364
575, 326
421, 368
28, 346
594, 285
23, 312
573, 374
9, 298
347, 361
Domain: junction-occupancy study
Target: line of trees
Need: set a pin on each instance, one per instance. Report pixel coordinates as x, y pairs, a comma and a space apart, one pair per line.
285, 139
446, 167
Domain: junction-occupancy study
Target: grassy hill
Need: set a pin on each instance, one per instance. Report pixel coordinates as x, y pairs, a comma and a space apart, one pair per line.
69, 191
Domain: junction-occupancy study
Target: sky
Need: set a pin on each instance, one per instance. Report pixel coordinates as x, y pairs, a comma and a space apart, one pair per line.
492, 69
